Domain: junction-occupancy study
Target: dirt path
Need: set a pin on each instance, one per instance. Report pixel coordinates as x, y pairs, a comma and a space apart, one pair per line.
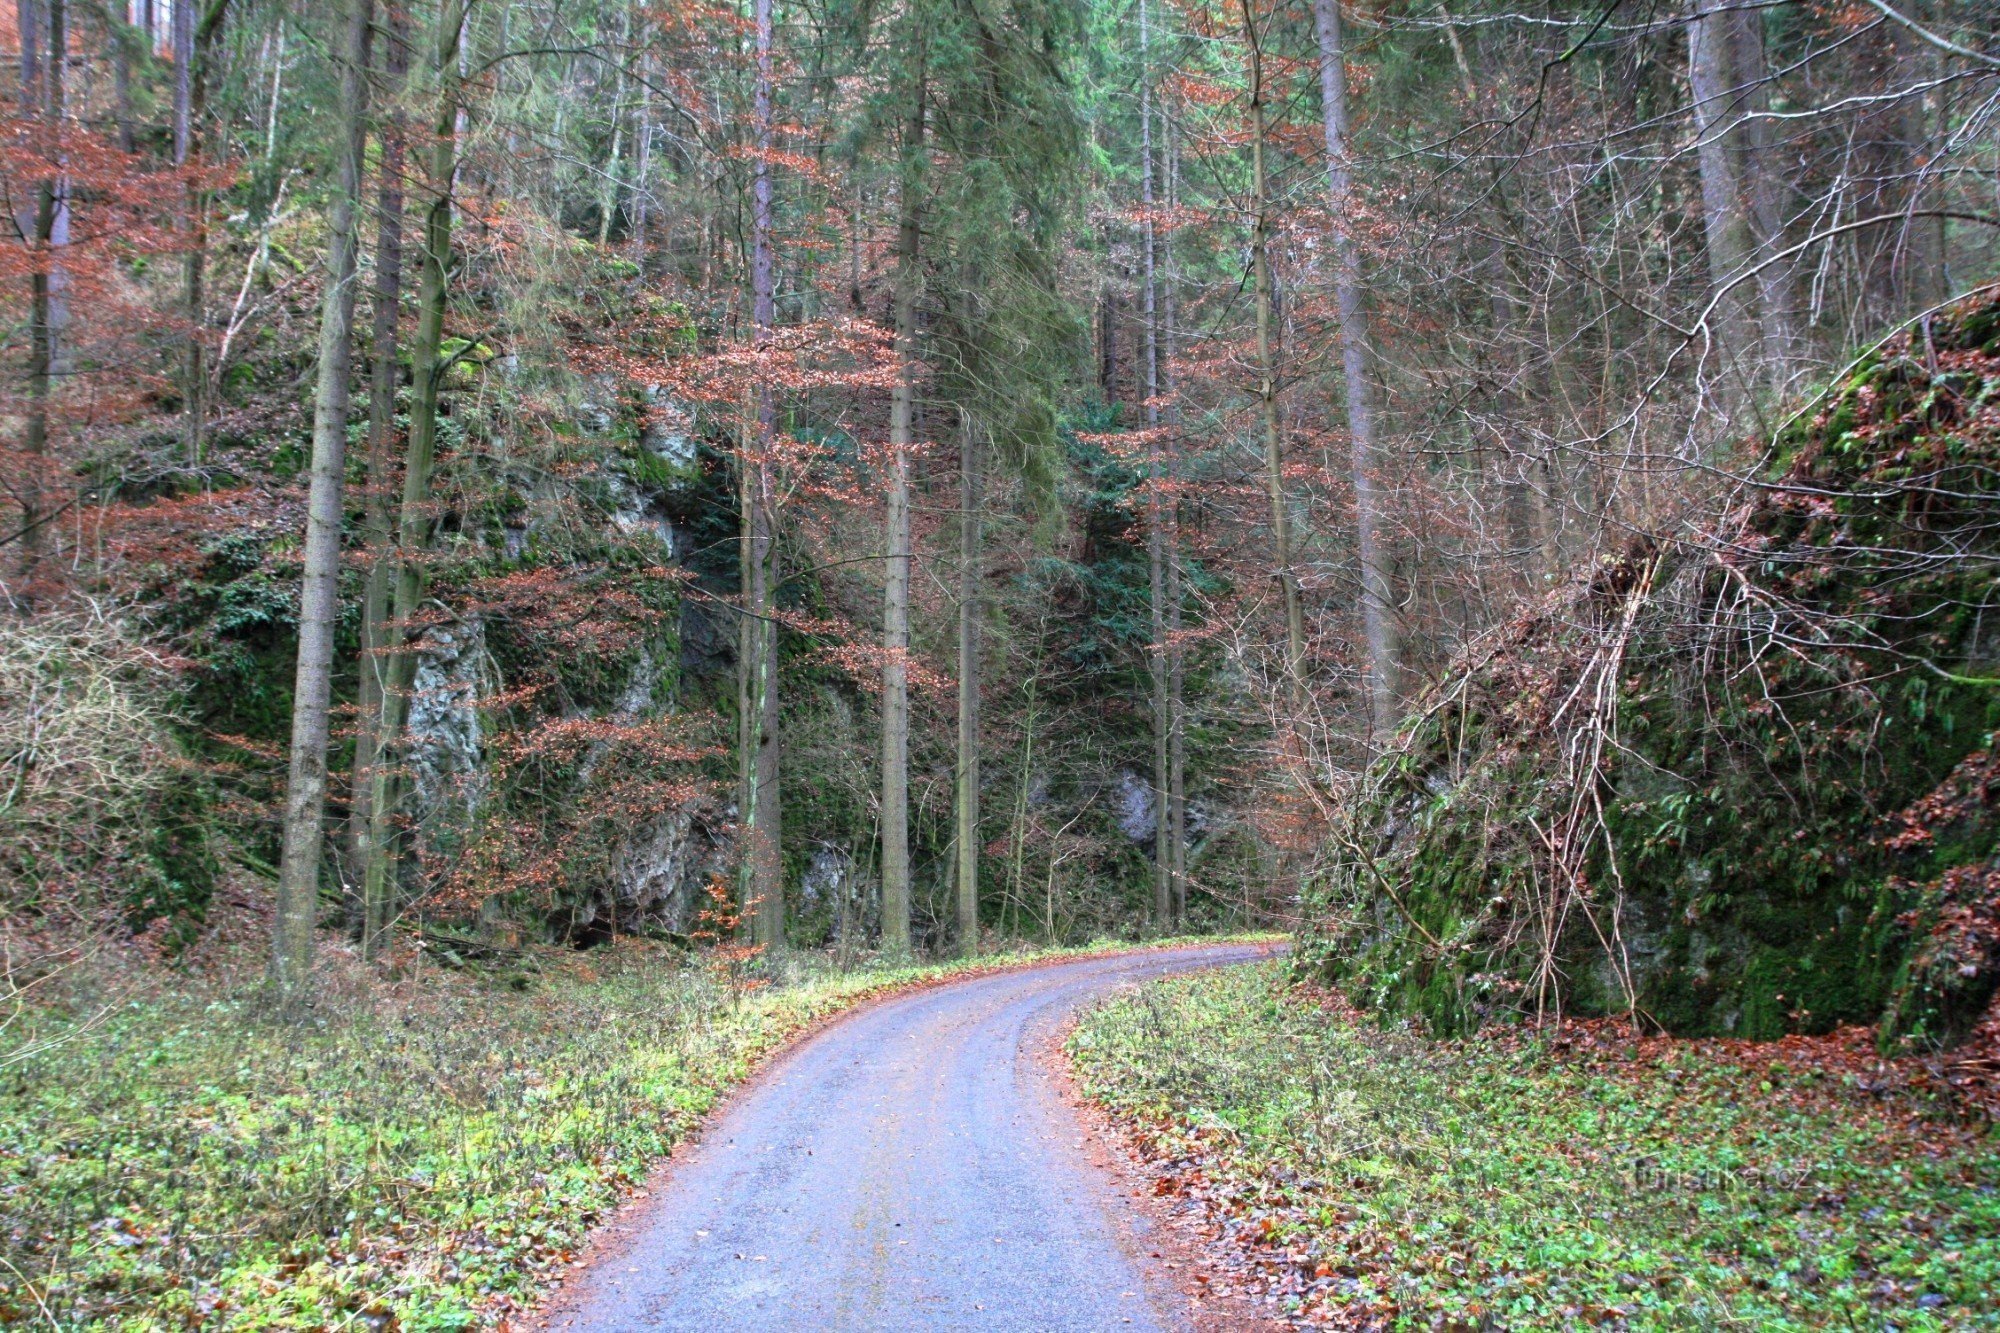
911, 1167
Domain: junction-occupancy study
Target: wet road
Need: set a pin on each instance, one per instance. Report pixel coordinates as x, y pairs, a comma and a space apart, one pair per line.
912, 1167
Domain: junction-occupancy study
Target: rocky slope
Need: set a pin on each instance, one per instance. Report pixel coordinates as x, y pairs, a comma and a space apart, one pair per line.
1737, 784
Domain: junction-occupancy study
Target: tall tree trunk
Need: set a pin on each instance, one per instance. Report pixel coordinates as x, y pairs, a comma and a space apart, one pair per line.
896, 543
609, 204
1176, 661
121, 80
1769, 188
763, 880
1267, 387
28, 19
193, 373
413, 524
45, 104
1378, 623
1156, 553
966, 840
319, 597
749, 657
1732, 326
377, 533
195, 29
642, 158
1923, 256
1524, 521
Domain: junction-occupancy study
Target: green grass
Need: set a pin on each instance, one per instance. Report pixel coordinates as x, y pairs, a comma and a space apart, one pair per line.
423, 1157
1482, 1183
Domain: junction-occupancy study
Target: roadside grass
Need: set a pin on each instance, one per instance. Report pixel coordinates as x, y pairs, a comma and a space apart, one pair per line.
1383, 1180
421, 1156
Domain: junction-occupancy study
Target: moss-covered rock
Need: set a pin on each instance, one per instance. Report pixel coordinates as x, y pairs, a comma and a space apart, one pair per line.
1735, 784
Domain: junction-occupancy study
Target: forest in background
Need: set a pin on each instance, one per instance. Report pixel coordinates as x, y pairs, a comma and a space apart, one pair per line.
872, 475
548, 546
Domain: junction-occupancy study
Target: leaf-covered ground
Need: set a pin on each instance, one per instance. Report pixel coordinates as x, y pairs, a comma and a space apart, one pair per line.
423, 1157
1382, 1180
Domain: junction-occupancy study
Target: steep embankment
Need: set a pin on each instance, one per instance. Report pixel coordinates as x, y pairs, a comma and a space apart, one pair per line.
1740, 783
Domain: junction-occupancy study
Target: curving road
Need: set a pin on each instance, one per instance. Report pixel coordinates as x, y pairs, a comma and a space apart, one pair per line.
911, 1167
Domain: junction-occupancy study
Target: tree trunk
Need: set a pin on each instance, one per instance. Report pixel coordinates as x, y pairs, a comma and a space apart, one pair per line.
763, 862
1024, 787
609, 204
414, 519
642, 158
1267, 388
319, 597
121, 81
28, 19
376, 521
46, 104
1156, 554
1176, 662
1769, 189
896, 571
766, 843
966, 838
749, 710
1732, 327
1378, 623
193, 373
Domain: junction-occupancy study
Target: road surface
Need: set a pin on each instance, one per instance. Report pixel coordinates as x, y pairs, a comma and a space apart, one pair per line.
911, 1167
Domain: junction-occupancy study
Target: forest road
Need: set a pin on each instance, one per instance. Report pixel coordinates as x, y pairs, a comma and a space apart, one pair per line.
912, 1166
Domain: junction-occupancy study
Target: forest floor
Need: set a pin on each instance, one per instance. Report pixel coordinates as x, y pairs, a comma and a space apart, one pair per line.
424, 1154
1367, 1179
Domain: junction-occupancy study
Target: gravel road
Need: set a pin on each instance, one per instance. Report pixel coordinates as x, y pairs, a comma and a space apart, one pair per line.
910, 1167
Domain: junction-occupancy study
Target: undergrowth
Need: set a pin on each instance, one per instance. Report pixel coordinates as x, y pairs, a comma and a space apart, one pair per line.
421, 1157
1587, 1180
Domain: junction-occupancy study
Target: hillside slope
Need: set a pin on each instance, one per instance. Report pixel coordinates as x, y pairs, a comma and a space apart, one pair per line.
1741, 784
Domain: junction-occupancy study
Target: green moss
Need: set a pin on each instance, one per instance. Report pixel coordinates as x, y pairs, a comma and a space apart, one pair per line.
1740, 877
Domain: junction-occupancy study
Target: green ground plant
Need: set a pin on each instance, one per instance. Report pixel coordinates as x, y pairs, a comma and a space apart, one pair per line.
422, 1157
1586, 1180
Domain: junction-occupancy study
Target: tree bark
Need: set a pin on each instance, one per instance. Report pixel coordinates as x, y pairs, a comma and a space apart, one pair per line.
121, 80
1378, 623
193, 373
43, 104
41, 316
1176, 660
609, 204
1267, 386
642, 158
319, 597
763, 882
28, 19
413, 524
377, 533
966, 839
1156, 552
749, 709
896, 571
1711, 85
1769, 190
